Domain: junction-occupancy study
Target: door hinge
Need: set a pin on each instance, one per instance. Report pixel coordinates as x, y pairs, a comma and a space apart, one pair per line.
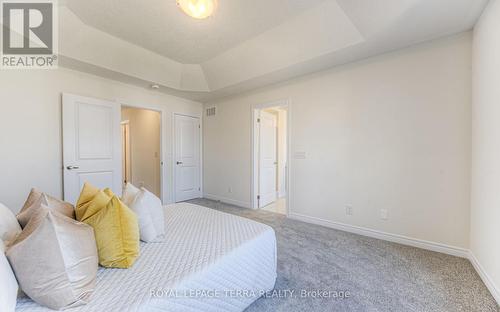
199, 126
258, 196
258, 119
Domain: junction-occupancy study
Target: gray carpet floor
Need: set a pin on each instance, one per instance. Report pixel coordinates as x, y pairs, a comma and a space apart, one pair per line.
378, 275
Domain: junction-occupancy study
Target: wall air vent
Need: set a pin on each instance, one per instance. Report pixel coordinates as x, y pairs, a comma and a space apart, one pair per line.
211, 111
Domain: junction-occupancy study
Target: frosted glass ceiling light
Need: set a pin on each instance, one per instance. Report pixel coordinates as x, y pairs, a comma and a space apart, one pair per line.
199, 9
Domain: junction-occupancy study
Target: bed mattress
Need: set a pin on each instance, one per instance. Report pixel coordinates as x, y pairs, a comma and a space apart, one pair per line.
209, 261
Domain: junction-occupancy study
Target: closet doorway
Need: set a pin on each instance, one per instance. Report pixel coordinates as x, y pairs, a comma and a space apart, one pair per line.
270, 154
141, 148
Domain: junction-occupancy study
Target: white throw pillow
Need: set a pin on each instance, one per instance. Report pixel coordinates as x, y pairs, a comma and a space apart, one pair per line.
149, 210
55, 260
9, 226
129, 194
8, 285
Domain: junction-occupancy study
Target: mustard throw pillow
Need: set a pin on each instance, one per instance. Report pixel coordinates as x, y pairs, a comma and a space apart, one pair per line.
115, 226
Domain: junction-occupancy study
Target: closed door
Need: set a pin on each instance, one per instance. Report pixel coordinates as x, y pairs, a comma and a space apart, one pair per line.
91, 145
267, 158
187, 158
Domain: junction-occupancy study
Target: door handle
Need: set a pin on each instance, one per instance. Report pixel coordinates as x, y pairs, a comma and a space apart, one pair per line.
72, 167
179, 162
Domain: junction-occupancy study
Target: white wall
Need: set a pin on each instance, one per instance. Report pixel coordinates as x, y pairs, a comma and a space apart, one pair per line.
485, 201
30, 126
391, 132
145, 147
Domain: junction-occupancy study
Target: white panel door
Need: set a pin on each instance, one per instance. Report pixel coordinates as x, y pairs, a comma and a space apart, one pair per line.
187, 158
267, 158
91, 145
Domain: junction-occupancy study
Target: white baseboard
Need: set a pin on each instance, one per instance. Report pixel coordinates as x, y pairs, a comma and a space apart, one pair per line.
228, 200
404, 240
395, 238
488, 281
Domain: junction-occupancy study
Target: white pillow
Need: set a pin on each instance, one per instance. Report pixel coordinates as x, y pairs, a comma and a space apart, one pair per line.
8, 285
129, 194
150, 214
55, 260
9, 226
33, 202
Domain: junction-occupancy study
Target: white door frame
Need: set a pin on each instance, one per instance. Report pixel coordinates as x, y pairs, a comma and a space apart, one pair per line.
126, 152
174, 152
286, 105
163, 114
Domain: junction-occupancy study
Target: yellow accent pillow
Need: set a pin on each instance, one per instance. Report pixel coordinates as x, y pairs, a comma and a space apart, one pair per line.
86, 196
109, 192
116, 227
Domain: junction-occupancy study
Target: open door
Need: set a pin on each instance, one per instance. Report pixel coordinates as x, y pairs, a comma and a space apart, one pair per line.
267, 158
91, 145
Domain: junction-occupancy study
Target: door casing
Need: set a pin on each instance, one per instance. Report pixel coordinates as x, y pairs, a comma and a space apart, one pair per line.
174, 158
285, 104
164, 177
167, 174
126, 152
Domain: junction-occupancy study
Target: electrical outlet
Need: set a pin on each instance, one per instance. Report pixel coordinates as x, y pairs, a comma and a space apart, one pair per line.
230, 190
384, 214
348, 210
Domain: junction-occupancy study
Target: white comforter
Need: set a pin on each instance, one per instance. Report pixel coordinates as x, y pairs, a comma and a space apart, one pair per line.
210, 261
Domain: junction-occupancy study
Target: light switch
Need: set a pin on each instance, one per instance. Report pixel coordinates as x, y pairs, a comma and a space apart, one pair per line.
299, 155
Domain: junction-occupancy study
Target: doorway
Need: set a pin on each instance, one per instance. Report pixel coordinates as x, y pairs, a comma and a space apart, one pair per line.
141, 148
270, 151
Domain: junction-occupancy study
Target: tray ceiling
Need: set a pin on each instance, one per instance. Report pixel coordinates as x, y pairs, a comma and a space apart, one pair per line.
158, 25
246, 44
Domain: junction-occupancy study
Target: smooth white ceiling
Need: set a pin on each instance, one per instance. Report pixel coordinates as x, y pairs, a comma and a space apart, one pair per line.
158, 25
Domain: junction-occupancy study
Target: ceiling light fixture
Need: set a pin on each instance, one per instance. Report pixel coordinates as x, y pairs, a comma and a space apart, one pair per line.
198, 9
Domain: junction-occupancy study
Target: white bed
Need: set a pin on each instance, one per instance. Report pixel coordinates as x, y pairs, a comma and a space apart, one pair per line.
205, 250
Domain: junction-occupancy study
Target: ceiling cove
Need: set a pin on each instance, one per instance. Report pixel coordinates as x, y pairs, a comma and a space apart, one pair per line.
244, 44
